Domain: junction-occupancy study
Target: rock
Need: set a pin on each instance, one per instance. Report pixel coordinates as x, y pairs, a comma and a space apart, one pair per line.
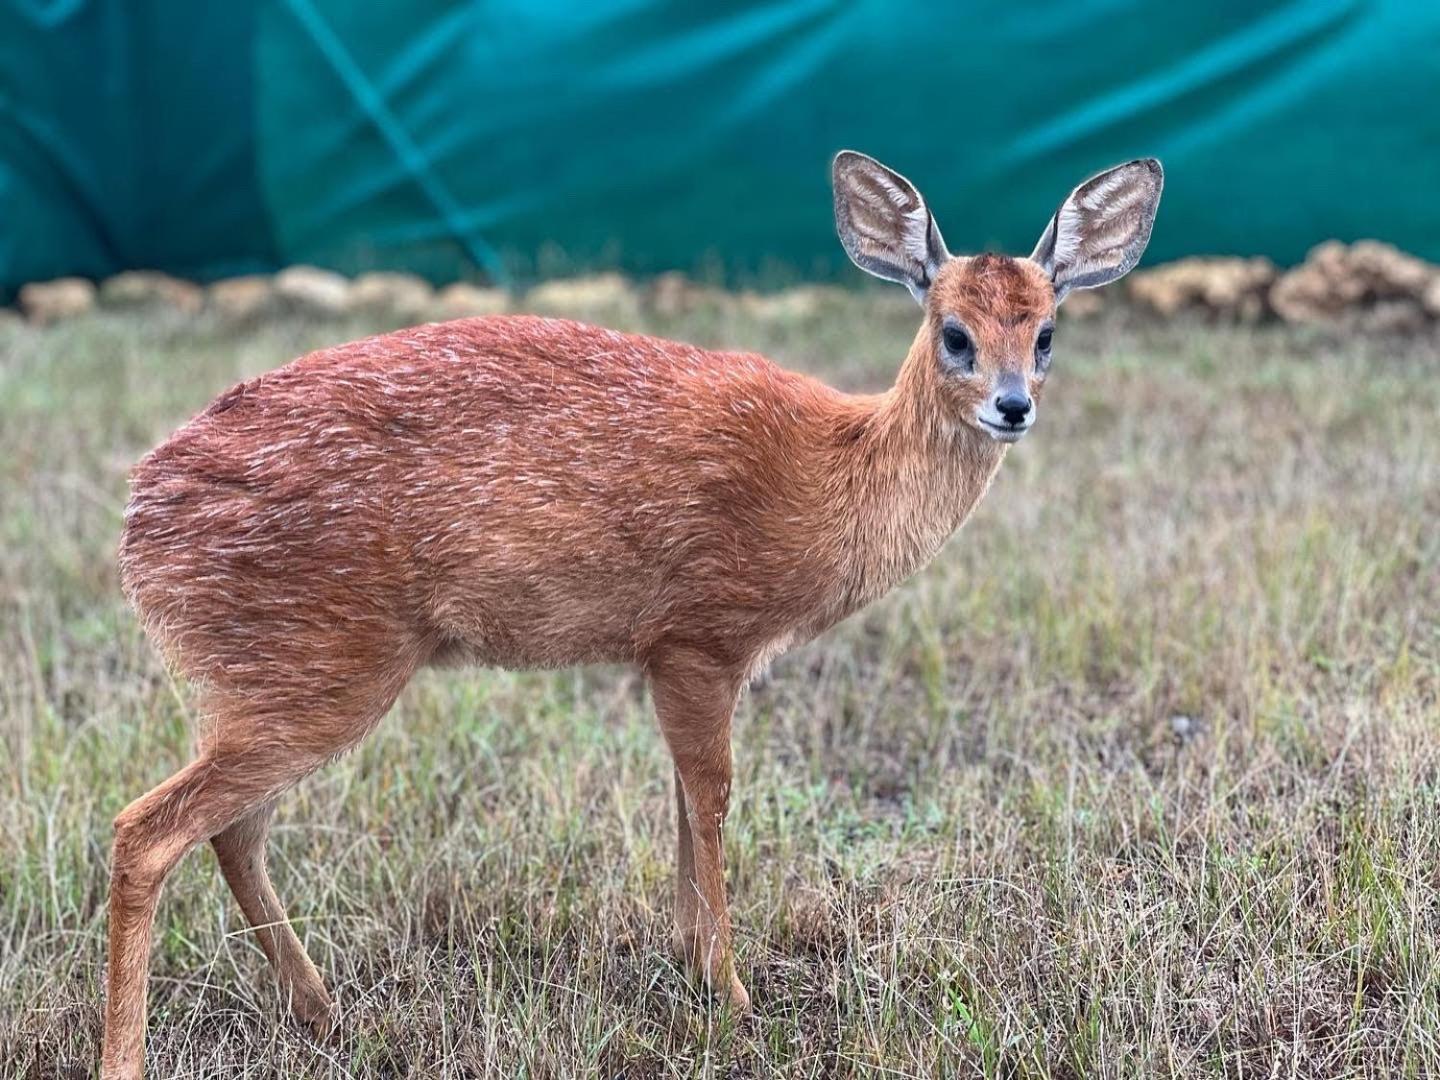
1320, 288
1338, 284
1223, 288
309, 288
406, 295
151, 289
461, 300
673, 294
46, 302
1390, 271
1431, 298
596, 292
1083, 304
242, 298
799, 303
1393, 317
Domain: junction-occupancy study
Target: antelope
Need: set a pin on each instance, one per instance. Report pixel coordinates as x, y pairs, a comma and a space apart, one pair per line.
524, 492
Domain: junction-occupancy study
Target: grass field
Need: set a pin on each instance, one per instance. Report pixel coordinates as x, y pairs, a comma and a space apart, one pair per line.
1141, 778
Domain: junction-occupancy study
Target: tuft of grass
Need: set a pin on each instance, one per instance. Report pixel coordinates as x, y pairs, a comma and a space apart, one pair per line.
1141, 778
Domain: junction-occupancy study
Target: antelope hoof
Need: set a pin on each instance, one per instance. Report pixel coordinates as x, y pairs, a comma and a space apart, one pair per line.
739, 997
324, 1024
320, 1017
720, 980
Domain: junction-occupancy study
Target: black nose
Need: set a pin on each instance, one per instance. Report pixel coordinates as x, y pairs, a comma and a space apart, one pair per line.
1014, 408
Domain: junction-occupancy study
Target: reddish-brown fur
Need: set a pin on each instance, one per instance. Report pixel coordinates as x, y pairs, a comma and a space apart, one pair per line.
522, 492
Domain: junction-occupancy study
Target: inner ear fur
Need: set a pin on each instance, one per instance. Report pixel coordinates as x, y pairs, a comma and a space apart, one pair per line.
1102, 228
884, 224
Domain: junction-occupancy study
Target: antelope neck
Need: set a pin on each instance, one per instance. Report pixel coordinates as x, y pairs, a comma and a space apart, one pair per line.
909, 476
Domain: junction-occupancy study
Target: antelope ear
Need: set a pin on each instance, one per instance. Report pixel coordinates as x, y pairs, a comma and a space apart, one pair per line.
884, 224
1100, 231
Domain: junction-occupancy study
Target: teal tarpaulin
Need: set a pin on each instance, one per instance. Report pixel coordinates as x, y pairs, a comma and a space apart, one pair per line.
524, 135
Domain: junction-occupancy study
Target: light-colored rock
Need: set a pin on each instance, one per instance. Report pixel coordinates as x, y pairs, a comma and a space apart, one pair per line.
462, 300
673, 294
311, 289
1393, 317
242, 298
1339, 284
1390, 270
1224, 288
405, 295
46, 302
1320, 288
151, 289
797, 304
1083, 304
1431, 298
578, 295
1183, 727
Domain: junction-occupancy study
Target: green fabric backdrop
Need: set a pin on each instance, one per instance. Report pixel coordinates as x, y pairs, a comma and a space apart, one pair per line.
510, 136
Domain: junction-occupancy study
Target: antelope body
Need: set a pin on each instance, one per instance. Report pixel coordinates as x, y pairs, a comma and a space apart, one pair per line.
525, 492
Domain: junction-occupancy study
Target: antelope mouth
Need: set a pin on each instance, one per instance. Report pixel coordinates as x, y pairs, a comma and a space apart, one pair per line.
1006, 433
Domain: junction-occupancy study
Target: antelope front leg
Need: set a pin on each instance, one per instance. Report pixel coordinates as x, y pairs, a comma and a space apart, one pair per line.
693, 702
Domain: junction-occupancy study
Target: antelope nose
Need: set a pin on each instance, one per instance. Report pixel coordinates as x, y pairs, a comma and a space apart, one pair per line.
1014, 408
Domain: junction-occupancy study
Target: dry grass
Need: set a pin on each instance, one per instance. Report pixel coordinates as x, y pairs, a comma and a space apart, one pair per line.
1140, 779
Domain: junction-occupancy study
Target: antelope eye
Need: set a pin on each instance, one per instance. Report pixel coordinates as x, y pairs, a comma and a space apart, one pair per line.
957, 341
1043, 341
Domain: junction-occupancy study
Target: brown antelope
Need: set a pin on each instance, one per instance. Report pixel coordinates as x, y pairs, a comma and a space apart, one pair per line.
535, 493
